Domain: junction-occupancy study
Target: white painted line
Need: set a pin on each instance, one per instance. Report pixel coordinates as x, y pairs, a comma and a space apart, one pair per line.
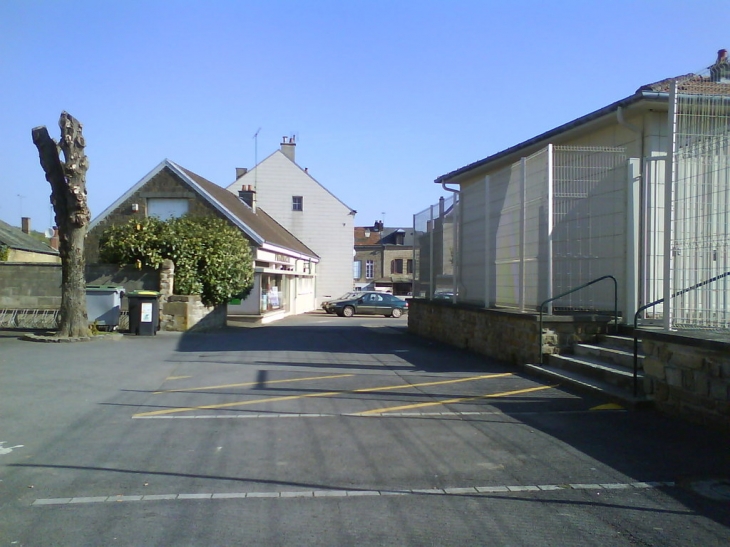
456, 491
523, 489
89, 500
487, 489
53, 501
124, 498
330, 493
469, 490
297, 494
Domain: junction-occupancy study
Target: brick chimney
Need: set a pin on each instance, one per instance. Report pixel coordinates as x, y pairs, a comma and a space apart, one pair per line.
247, 195
55, 240
287, 147
25, 224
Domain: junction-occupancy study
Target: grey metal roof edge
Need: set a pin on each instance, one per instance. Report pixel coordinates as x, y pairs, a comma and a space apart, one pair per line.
597, 114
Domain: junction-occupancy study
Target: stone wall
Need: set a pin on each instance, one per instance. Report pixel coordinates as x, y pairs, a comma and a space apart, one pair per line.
689, 376
187, 313
26, 286
500, 334
38, 286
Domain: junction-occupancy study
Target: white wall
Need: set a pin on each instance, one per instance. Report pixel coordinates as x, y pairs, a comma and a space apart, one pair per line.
325, 224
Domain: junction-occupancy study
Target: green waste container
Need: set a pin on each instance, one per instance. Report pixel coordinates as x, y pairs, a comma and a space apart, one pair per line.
144, 312
104, 305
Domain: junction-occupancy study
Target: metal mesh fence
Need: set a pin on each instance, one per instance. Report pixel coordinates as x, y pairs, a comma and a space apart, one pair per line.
435, 250
534, 229
699, 249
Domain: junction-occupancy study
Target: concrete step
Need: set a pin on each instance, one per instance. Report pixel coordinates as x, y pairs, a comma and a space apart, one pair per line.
598, 369
592, 386
609, 354
625, 343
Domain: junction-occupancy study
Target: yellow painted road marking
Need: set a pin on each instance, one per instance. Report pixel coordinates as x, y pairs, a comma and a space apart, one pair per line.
323, 394
250, 383
608, 406
452, 401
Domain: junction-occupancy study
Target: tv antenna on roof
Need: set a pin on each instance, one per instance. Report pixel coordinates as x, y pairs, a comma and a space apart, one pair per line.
256, 158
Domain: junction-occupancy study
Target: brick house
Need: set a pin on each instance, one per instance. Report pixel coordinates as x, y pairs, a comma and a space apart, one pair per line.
383, 259
284, 268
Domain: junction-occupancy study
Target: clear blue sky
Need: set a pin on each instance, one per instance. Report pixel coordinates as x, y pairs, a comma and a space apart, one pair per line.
384, 96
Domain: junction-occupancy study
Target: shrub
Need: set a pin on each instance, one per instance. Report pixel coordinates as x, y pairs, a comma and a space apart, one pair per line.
211, 257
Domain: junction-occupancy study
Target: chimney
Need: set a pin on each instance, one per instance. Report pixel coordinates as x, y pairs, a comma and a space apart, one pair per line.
287, 147
25, 224
240, 171
54, 243
248, 196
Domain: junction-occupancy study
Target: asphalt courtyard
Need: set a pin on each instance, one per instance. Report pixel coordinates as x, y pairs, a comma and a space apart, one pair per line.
321, 430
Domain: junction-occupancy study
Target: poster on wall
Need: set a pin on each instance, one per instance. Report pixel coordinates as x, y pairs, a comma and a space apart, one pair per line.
274, 297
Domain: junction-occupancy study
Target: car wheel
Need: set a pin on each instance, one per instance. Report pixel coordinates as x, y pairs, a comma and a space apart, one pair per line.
349, 311
396, 313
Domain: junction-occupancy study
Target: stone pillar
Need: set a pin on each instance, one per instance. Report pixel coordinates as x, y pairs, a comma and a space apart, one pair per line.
167, 280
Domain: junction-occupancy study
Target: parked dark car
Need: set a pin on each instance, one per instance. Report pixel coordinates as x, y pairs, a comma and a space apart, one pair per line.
328, 306
371, 303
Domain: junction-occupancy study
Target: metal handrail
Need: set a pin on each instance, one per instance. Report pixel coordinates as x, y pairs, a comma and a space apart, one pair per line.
583, 286
651, 305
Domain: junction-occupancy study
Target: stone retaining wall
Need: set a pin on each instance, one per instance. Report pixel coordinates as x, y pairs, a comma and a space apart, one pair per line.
501, 334
187, 313
689, 376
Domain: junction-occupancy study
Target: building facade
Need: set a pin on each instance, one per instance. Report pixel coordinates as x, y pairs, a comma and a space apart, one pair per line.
384, 259
284, 268
308, 211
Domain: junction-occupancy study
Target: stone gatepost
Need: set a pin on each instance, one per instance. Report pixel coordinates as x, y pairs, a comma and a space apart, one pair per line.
167, 280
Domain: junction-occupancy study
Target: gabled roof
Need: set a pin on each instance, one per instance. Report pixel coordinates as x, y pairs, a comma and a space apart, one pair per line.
17, 239
263, 230
251, 173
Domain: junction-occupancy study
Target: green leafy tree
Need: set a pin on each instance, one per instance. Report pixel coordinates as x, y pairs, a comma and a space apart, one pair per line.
211, 257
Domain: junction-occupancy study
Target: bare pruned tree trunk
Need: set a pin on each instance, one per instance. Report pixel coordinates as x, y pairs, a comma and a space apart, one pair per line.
68, 196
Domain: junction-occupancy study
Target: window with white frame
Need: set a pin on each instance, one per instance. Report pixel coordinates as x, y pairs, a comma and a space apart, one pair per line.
369, 269
297, 203
165, 208
357, 269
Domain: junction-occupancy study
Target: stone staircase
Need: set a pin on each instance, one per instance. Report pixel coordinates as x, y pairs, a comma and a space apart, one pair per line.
603, 368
